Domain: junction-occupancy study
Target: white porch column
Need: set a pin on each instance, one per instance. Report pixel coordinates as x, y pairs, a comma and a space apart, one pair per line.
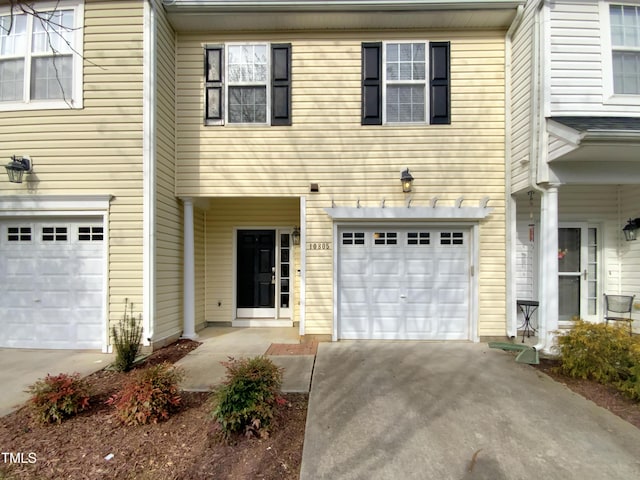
189, 300
548, 291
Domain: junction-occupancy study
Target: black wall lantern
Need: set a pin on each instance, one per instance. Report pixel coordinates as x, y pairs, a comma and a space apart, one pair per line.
17, 167
295, 236
630, 228
406, 179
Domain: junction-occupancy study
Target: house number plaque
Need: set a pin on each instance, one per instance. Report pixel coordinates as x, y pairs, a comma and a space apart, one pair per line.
319, 246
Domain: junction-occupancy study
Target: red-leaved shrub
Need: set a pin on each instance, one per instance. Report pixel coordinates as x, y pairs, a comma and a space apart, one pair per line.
150, 395
55, 398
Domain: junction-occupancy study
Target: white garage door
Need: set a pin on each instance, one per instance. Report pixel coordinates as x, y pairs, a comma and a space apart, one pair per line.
403, 283
51, 283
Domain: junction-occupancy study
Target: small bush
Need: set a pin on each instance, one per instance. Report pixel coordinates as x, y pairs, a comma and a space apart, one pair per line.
150, 395
126, 339
245, 402
58, 397
595, 351
604, 353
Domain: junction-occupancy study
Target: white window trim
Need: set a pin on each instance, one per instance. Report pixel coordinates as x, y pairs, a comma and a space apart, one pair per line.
228, 83
386, 83
609, 97
75, 100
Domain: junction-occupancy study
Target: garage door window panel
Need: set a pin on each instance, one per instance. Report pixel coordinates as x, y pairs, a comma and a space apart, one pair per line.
19, 234
418, 238
385, 238
54, 234
451, 238
90, 234
353, 238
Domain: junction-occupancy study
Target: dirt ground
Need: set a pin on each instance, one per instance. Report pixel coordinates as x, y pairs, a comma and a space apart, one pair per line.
184, 447
181, 448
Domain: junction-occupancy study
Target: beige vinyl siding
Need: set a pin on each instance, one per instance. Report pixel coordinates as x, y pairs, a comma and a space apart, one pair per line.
327, 145
167, 208
225, 214
97, 149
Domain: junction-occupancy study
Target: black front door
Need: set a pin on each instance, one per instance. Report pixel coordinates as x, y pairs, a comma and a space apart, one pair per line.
256, 269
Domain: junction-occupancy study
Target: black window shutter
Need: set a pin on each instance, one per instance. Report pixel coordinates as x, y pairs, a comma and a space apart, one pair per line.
214, 88
281, 84
372, 83
440, 82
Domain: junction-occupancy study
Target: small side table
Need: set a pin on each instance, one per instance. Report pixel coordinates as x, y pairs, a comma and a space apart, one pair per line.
527, 307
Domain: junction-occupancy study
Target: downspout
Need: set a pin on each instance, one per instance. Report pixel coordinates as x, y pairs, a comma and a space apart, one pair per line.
509, 206
536, 147
148, 173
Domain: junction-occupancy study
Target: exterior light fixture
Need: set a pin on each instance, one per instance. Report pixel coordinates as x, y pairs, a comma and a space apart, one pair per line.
295, 236
406, 179
630, 228
17, 167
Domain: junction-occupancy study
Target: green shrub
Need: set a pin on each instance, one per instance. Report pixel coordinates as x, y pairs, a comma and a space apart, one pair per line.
150, 395
595, 351
55, 398
126, 339
630, 385
246, 400
604, 353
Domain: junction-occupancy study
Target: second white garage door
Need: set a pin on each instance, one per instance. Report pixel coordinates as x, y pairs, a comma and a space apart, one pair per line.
403, 283
52, 279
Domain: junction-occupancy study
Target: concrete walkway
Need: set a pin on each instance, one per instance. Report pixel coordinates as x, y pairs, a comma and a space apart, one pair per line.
203, 366
381, 410
20, 368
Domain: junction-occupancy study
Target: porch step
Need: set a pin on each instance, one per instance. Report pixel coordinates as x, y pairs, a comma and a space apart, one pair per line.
527, 354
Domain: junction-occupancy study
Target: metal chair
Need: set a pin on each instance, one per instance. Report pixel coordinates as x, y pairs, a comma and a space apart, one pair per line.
618, 309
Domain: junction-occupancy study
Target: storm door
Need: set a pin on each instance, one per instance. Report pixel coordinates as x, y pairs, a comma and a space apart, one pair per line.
578, 270
256, 274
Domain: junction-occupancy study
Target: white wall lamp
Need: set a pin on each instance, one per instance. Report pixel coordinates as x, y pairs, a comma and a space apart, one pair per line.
406, 179
17, 167
630, 228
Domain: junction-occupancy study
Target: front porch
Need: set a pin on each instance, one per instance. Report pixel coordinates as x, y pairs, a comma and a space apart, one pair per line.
569, 250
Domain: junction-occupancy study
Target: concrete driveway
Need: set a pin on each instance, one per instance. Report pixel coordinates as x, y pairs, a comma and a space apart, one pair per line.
19, 368
381, 410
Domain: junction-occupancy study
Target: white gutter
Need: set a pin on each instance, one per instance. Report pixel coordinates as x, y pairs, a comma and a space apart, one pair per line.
149, 174
510, 209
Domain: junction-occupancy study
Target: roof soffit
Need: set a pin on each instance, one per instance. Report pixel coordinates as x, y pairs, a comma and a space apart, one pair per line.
194, 16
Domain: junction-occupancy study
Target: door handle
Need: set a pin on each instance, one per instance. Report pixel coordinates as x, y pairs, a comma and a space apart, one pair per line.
403, 296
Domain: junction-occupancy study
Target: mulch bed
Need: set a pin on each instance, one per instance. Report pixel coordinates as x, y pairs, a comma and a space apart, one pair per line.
183, 447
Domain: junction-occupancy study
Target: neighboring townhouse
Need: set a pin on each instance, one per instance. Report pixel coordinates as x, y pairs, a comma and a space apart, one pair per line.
96, 221
574, 159
240, 163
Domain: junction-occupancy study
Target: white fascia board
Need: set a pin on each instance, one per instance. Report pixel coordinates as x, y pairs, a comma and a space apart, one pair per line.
262, 5
411, 213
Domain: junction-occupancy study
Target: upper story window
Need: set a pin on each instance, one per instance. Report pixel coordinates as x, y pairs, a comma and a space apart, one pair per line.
405, 82
40, 57
256, 88
625, 44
